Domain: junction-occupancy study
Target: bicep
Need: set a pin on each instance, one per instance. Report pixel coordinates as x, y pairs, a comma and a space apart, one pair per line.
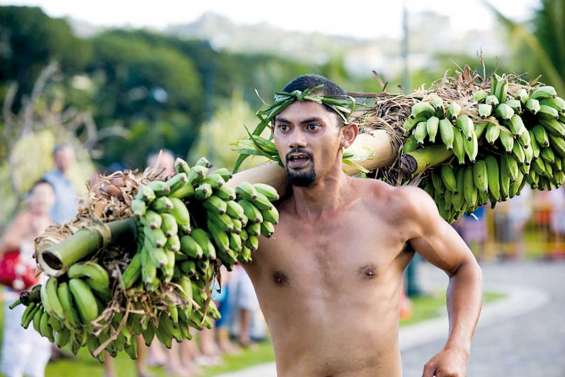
434, 238
442, 246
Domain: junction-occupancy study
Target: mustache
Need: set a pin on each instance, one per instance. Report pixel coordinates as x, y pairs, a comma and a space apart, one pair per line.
296, 151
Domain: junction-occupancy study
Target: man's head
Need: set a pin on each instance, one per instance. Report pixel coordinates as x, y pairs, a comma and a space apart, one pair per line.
64, 157
310, 136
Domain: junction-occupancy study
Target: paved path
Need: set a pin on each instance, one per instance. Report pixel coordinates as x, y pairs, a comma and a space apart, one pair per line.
522, 336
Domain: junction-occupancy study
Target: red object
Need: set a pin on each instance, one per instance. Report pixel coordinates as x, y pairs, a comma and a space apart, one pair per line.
15, 274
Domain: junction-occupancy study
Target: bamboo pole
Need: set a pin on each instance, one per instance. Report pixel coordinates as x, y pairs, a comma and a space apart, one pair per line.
55, 259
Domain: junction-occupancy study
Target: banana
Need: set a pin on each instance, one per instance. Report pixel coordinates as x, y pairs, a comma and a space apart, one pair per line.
534, 144
558, 145
145, 194
215, 204
453, 110
225, 173
269, 191
177, 181
246, 190
542, 92
409, 124
447, 177
458, 199
214, 180
152, 219
181, 166
548, 155
480, 175
225, 193
45, 328
446, 132
234, 210
437, 103
493, 177
471, 147
201, 237
37, 318
62, 337
132, 271
162, 204
267, 229
503, 111
262, 202
516, 125
522, 95
173, 243
515, 105
185, 191
504, 180
432, 125
540, 135
254, 229
158, 257
518, 153
539, 167
181, 214
95, 275
480, 128
203, 161
235, 242
138, 207
506, 139
553, 126
458, 147
28, 314
492, 133
220, 237
84, 299
557, 103
271, 215
533, 105
501, 89
422, 109
50, 300
203, 191
470, 192
420, 132
190, 247
485, 110
224, 222
197, 175
516, 185
160, 188
437, 183
548, 112
251, 212
169, 225
156, 237
252, 242
492, 100
69, 310
512, 167
465, 125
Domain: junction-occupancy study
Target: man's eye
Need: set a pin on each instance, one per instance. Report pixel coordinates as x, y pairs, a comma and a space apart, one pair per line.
312, 126
283, 127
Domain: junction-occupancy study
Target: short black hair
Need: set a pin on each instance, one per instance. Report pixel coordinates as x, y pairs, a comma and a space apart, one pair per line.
303, 82
328, 88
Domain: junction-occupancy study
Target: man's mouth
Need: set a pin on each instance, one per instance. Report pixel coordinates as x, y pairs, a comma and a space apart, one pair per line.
298, 160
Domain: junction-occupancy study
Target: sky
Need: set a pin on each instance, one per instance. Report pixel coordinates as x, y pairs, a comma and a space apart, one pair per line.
364, 19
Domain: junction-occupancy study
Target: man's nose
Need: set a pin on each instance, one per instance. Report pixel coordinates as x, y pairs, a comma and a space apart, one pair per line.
297, 140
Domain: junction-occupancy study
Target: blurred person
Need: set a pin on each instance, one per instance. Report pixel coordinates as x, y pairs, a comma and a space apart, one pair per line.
557, 220
222, 325
243, 305
25, 352
473, 229
66, 201
510, 219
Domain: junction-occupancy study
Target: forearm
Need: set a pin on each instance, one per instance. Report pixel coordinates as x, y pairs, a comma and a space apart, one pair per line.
464, 301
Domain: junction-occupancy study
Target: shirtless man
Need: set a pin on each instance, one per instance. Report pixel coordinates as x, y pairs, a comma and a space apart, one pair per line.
329, 280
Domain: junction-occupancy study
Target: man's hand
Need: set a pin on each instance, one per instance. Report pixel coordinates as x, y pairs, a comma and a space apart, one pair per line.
451, 362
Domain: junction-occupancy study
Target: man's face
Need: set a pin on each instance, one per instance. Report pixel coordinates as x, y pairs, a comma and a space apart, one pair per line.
308, 138
64, 158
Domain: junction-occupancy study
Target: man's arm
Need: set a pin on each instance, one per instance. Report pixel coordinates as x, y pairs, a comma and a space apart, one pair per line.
440, 244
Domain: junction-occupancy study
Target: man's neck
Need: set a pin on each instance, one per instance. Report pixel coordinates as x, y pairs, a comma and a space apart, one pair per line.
326, 194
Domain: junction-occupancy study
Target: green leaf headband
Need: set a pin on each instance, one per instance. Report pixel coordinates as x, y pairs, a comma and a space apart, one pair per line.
343, 106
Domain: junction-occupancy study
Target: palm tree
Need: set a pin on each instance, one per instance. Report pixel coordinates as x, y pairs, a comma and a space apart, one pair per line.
542, 39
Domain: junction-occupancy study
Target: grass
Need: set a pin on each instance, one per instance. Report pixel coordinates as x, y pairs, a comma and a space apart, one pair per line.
423, 308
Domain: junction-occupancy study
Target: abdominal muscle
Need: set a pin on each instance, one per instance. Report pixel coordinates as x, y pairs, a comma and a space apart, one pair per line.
338, 339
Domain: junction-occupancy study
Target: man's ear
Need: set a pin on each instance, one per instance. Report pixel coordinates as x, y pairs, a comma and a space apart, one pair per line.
349, 132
